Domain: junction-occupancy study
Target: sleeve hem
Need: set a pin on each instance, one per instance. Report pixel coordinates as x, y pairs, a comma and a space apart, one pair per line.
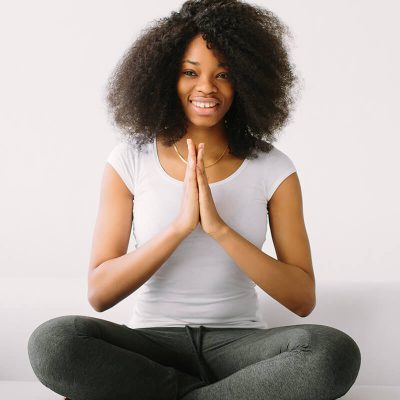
278, 182
121, 177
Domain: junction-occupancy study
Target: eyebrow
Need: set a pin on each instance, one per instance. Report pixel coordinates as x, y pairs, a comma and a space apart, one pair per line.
197, 63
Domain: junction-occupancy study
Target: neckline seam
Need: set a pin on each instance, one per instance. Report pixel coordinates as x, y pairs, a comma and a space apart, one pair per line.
178, 182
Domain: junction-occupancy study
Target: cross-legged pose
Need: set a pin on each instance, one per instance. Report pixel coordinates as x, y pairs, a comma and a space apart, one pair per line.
195, 180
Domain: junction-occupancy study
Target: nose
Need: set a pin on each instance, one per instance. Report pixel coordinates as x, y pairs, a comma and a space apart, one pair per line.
206, 85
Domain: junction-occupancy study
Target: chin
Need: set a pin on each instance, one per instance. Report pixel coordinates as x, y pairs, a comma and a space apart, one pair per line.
203, 124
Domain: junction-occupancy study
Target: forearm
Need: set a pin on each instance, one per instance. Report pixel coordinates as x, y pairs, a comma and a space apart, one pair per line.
288, 284
117, 278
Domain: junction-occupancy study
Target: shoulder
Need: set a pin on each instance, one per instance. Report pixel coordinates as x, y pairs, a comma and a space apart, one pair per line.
276, 165
122, 158
276, 156
124, 149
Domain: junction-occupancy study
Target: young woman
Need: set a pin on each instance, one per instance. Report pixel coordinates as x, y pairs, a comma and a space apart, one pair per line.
199, 97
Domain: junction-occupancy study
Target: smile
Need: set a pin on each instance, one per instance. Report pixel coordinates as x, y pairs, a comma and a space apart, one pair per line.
204, 110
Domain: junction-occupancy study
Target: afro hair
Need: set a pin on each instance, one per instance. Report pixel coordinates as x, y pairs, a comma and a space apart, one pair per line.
251, 39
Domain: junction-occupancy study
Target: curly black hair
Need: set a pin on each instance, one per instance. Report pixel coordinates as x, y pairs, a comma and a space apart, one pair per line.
252, 41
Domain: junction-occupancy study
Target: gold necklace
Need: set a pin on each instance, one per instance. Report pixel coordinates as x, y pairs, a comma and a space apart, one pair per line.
179, 154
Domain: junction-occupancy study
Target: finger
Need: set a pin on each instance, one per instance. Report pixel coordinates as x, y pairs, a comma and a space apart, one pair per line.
199, 158
201, 163
192, 153
191, 163
199, 155
189, 156
202, 167
199, 172
189, 170
189, 174
200, 179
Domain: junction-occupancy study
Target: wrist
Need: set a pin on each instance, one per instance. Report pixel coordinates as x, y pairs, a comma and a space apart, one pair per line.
177, 230
221, 232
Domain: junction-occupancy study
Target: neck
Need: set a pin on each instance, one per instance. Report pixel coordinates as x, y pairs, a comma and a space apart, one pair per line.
214, 139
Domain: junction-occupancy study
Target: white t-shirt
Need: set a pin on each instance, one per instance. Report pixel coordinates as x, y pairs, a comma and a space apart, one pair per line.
199, 284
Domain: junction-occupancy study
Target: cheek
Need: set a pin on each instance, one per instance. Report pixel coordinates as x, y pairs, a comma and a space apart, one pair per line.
229, 95
228, 90
181, 87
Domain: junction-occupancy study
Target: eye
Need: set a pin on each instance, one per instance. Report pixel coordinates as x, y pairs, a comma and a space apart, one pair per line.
226, 75
192, 72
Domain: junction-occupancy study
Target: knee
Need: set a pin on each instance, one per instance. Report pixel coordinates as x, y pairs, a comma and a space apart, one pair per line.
348, 359
48, 343
341, 356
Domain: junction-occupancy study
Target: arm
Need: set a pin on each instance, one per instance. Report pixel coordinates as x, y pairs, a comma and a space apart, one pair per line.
113, 273
290, 279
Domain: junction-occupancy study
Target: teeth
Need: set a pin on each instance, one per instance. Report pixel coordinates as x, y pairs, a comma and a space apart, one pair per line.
204, 105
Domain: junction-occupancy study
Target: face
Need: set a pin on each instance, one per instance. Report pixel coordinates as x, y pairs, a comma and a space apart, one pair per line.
203, 81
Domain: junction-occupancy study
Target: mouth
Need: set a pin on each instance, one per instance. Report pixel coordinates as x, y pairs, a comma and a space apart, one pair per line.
201, 109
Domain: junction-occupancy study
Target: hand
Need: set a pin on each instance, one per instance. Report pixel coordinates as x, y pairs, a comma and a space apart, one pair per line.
210, 220
189, 215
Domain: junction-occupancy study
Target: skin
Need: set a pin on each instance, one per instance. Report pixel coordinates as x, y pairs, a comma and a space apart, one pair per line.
202, 75
204, 80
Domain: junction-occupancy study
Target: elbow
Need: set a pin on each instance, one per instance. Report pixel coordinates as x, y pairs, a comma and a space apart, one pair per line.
95, 305
92, 293
94, 301
308, 302
305, 312
306, 309
99, 305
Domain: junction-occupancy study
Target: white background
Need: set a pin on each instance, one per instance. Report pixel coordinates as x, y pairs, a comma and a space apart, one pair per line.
56, 57
55, 133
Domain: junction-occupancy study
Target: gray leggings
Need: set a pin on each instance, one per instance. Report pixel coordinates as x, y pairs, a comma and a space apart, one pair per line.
87, 358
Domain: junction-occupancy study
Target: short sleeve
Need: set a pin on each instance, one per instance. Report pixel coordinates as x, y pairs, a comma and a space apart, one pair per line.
280, 166
121, 159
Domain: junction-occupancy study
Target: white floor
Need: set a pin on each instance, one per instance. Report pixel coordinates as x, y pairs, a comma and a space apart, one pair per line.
18, 390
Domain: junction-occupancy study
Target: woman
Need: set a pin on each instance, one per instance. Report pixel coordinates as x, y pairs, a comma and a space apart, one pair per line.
199, 96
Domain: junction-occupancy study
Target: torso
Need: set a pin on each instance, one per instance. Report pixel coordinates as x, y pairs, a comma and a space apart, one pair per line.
176, 168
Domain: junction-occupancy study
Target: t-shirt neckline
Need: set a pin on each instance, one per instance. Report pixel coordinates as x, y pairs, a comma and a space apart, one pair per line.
178, 182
